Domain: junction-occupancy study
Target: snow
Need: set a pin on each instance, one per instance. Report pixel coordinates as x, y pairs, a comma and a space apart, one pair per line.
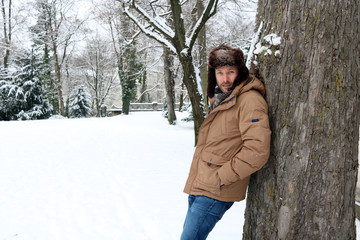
256, 48
252, 46
148, 32
273, 39
157, 22
111, 178
259, 48
198, 80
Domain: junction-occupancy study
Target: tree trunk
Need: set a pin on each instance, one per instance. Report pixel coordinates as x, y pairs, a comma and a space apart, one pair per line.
7, 31
196, 99
169, 85
127, 68
181, 101
202, 54
186, 60
307, 188
58, 78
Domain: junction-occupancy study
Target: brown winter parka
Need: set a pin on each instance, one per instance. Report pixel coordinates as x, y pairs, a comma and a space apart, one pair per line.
233, 143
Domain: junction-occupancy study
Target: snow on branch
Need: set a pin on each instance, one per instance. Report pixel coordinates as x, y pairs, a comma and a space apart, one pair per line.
132, 40
154, 35
158, 23
209, 11
146, 91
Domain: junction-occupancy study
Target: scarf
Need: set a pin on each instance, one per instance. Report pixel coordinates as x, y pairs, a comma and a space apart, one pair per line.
220, 96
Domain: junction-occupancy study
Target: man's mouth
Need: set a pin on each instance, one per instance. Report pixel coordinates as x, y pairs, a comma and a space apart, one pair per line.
227, 86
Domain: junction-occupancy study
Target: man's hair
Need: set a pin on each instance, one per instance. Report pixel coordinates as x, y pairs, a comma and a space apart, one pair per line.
225, 55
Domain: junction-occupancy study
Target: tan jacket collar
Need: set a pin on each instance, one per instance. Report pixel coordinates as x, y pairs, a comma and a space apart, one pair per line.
254, 84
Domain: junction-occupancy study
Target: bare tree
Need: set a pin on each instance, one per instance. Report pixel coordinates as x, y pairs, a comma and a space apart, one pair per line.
99, 70
179, 41
307, 189
60, 29
7, 30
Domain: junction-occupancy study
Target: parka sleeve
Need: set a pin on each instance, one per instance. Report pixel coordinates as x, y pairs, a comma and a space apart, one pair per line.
256, 134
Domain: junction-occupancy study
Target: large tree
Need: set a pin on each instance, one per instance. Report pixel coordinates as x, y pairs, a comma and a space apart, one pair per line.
307, 188
129, 67
41, 44
179, 40
56, 27
98, 68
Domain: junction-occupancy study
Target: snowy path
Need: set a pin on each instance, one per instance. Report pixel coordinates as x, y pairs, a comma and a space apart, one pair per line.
113, 178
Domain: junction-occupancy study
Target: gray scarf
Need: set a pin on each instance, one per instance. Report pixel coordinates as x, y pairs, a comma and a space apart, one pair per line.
220, 96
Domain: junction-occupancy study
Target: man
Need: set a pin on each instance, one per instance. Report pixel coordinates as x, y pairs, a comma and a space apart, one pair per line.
233, 143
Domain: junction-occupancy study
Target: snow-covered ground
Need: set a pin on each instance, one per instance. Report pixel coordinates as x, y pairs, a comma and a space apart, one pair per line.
111, 178
99, 179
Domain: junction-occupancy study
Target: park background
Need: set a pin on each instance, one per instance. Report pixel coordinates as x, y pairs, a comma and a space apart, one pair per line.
66, 59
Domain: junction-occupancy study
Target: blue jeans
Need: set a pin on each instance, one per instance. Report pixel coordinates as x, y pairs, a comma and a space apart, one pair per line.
202, 215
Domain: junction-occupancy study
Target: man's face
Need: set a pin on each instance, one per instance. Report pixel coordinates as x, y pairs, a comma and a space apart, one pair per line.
225, 77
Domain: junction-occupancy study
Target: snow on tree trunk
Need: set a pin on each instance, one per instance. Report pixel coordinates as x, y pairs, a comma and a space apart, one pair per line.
196, 98
307, 188
202, 53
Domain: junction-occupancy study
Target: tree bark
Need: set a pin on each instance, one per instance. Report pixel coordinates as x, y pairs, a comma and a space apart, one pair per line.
58, 77
202, 54
169, 85
196, 99
127, 72
7, 31
307, 188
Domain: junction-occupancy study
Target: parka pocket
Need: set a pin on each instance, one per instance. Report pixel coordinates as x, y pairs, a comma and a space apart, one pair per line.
198, 185
207, 178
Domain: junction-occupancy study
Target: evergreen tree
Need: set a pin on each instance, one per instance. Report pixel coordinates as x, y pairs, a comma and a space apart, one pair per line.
34, 105
41, 41
11, 97
21, 92
80, 103
128, 76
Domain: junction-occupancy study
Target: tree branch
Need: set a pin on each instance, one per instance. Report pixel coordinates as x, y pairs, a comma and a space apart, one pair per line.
133, 38
166, 31
150, 33
209, 11
146, 91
